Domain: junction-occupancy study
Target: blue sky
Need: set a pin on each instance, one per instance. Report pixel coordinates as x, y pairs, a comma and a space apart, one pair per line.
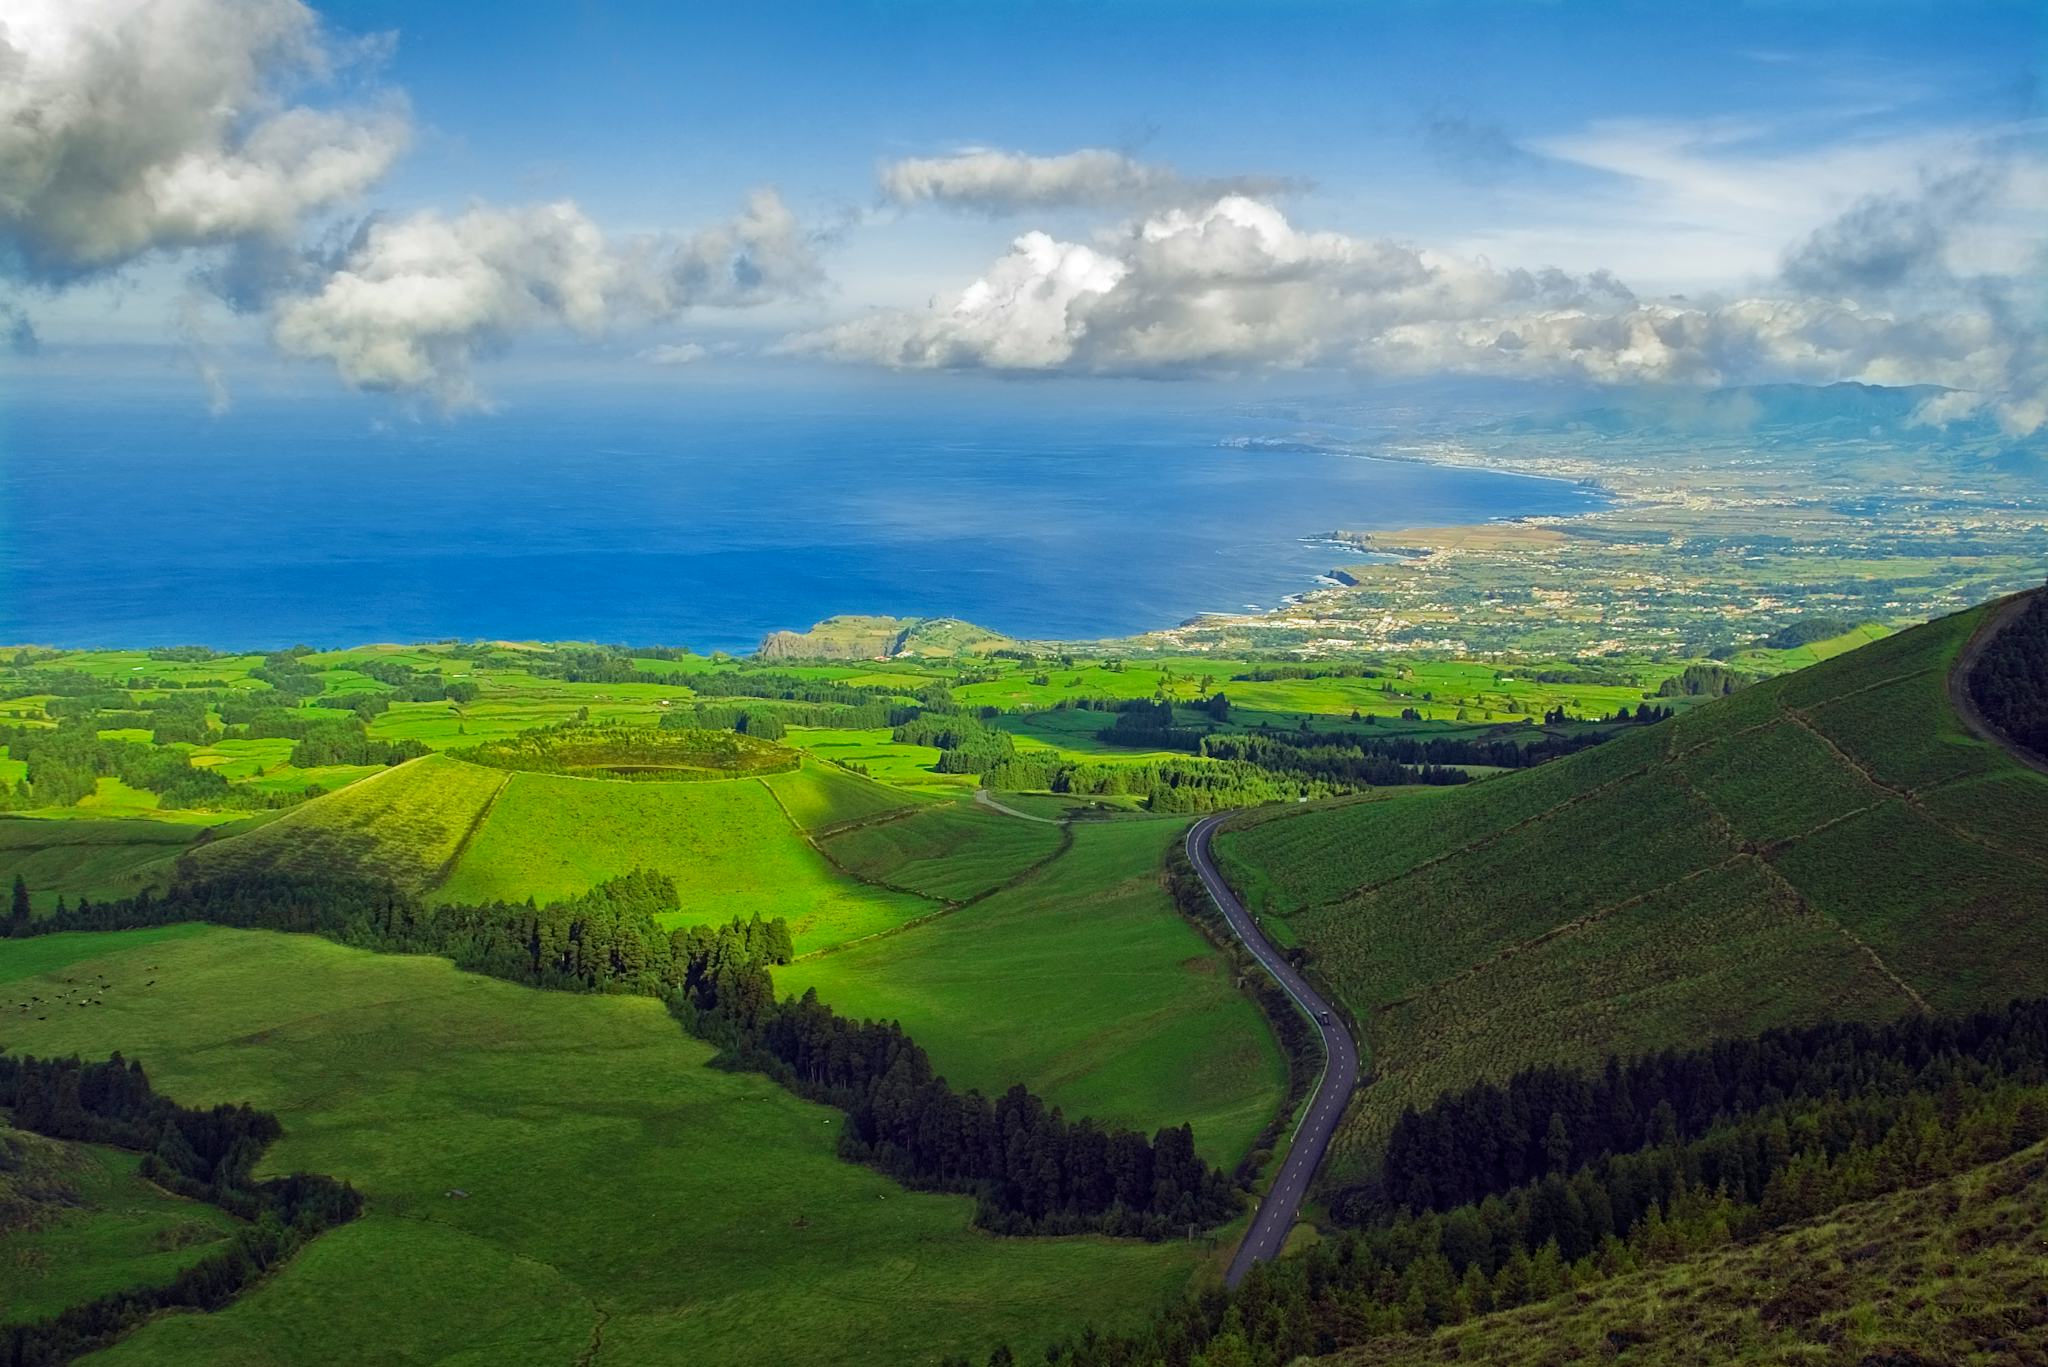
1679, 151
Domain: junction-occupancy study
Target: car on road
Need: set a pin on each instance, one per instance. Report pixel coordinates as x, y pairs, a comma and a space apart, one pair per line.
1323, 1016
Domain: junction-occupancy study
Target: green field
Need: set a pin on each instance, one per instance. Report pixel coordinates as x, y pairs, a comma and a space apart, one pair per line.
77, 1222
952, 851
727, 845
821, 795
1083, 983
615, 1186
906, 766
1819, 845
406, 824
100, 858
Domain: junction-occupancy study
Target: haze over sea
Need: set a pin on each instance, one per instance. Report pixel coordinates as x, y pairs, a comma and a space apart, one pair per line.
701, 517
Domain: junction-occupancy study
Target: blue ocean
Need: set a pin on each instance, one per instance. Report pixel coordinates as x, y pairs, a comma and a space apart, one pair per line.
702, 518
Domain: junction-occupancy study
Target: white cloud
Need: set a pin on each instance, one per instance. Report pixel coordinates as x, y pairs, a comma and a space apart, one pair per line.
1235, 285
998, 182
416, 299
128, 126
674, 353
1704, 205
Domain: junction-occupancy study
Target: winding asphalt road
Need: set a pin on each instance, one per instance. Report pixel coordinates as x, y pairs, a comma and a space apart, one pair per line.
1340, 1074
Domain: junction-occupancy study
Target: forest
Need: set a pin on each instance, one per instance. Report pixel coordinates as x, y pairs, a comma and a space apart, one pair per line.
2009, 682
1655, 1159
1491, 1137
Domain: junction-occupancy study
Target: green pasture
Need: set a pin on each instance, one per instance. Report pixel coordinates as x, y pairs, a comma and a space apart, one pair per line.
545, 1170
951, 851
905, 766
98, 857
727, 845
821, 795
1081, 981
87, 1224
405, 823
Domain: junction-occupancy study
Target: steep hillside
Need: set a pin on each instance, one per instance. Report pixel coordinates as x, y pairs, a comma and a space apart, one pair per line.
407, 824
1832, 843
1949, 1272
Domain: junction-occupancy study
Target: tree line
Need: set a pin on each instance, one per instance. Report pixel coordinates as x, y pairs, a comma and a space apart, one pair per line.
1649, 1160
2009, 682
66, 762
967, 745
1408, 1275
1703, 681
1278, 673
1346, 764
1490, 1137
1168, 785
760, 718
206, 1155
1031, 1170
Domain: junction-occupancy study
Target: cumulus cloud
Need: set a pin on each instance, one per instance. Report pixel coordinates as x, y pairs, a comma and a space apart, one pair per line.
137, 127
987, 180
415, 300
1235, 285
129, 126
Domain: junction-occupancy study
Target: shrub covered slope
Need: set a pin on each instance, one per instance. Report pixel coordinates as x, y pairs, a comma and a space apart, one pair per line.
1829, 844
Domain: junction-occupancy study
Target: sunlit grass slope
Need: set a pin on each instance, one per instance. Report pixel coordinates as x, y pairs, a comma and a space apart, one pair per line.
617, 1189
1081, 981
406, 824
727, 844
820, 796
1830, 843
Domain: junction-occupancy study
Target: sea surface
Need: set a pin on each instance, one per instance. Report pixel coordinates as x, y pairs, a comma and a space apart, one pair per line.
701, 519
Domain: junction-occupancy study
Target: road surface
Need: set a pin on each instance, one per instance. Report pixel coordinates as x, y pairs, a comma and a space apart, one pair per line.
1325, 1109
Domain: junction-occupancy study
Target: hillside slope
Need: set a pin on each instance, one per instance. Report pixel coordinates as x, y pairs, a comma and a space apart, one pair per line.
407, 824
1831, 843
1948, 1272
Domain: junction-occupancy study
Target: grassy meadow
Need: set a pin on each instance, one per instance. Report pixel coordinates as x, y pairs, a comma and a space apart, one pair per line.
728, 846
950, 851
78, 1222
1815, 846
1082, 982
614, 1189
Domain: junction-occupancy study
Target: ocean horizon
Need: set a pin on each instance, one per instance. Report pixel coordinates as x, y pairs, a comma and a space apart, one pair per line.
705, 521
